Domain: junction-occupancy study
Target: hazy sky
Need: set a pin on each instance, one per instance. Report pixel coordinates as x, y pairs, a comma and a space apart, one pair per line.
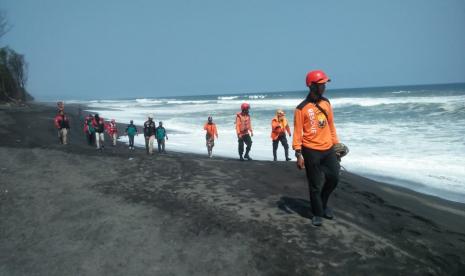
114, 49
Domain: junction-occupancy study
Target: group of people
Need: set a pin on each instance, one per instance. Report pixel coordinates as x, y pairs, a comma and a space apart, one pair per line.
315, 140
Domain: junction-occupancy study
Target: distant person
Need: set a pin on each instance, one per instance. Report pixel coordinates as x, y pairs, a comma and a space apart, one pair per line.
279, 127
112, 131
244, 131
212, 131
314, 139
160, 134
149, 134
131, 131
98, 124
62, 124
60, 106
89, 130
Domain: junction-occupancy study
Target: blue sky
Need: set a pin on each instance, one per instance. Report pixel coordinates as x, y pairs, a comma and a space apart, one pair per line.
141, 48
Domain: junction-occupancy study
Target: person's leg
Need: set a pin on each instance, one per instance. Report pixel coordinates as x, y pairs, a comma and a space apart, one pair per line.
151, 140
159, 145
241, 147
114, 139
313, 172
163, 145
131, 141
65, 136
248, 142
331, 168
275, 149
283, 140
97, 139
102, 140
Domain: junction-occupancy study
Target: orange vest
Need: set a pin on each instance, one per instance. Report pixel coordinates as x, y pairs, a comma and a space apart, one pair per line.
279, 128
243, 124
311, 127
211, 130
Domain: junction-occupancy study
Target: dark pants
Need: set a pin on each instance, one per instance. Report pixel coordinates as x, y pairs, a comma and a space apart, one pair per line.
322, 170
161, 145
248, 141
90, 138
283, 140
131, 140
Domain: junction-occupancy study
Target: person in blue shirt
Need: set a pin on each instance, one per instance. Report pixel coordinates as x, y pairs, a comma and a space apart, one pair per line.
131, 131
160, 134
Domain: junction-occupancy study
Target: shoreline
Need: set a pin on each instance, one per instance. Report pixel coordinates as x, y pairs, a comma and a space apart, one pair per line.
79, 211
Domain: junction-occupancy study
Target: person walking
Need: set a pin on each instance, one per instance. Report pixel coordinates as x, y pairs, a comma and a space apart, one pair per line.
149, 134
62, 124
112, 131
131, 131
212, 131
314, 140
89, 130
244, 131
160, 134
279, 127
98, 123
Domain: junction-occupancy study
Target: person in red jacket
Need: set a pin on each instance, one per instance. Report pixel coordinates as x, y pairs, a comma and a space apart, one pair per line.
279, 126
212, 131
62, 124
112, 131
314, 138
244, 131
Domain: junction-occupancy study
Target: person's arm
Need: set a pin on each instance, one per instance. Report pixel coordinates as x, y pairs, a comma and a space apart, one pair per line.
297, 140
215, 130
238, 126
57, 122
288, 129
250, 126
166, 134
332, 127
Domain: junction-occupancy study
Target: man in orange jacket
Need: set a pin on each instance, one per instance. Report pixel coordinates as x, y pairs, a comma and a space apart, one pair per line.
279, 126
314, 138
212, 131
244, 131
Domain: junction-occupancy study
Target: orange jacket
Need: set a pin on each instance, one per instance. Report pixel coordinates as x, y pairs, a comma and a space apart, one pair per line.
311, 127
211, 130
279, 128
243, 124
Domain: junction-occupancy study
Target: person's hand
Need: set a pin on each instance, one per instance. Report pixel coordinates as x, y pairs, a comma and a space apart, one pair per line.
251, 134
300, 162
238, 136
166, 137
290, 134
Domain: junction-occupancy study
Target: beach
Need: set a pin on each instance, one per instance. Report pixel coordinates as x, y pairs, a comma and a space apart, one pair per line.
72, 210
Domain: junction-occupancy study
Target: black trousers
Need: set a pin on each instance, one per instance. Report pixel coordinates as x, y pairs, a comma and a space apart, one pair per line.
90, 138
283, 140
322, 170
248, 141
131, 140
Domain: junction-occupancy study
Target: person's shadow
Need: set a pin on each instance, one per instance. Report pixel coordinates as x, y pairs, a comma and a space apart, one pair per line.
296, 205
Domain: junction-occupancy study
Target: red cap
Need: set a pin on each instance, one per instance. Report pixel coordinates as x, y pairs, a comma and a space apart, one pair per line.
316, 76
245, 106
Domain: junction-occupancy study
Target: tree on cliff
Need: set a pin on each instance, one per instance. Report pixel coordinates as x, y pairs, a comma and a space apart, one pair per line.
13, 71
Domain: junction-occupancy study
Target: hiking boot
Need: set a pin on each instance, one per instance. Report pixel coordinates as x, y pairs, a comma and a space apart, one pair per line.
288, 159
316, 221
328, 213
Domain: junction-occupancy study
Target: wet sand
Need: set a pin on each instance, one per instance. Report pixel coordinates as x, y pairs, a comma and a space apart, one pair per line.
72, 210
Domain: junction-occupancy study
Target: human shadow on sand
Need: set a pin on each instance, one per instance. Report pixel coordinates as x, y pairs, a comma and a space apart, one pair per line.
295, 205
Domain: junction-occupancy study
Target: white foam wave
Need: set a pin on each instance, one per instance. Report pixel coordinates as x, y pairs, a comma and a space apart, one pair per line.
226, 98
341, 102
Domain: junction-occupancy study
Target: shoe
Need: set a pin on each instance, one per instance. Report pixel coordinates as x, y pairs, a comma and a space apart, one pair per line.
241, 158
247, 157
328, 213
275, 159
316, 221
288, 159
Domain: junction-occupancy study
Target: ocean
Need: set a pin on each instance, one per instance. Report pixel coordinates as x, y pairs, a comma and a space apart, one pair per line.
411, 136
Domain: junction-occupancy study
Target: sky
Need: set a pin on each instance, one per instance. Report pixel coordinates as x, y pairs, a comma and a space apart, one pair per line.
96, 49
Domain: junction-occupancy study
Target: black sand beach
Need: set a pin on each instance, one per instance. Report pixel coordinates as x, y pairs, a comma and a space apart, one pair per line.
71, 210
